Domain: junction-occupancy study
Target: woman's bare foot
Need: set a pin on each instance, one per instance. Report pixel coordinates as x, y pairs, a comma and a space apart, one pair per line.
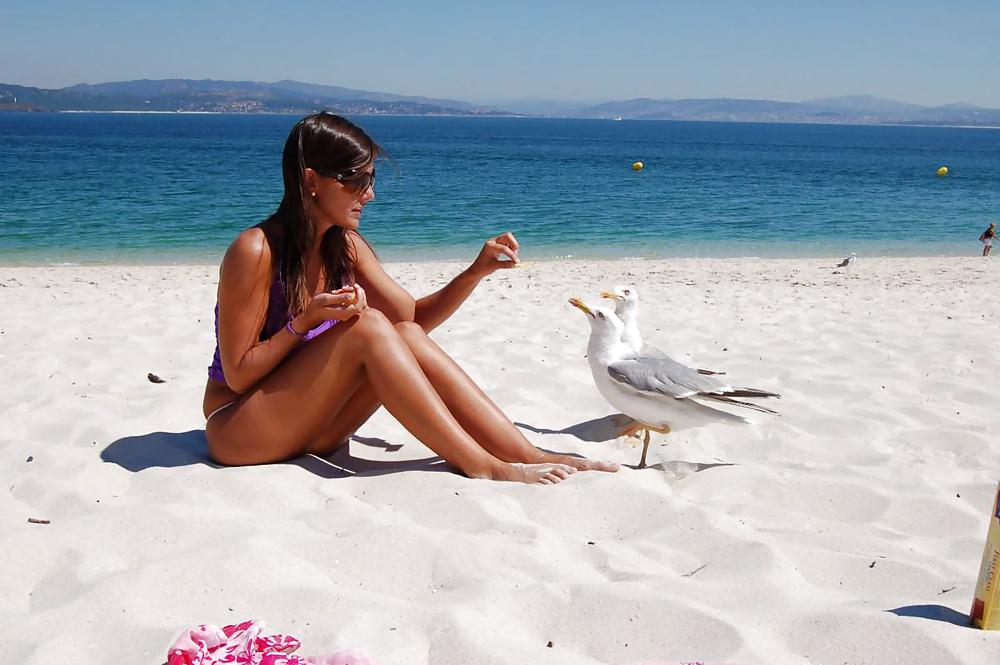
547, 473
580, 463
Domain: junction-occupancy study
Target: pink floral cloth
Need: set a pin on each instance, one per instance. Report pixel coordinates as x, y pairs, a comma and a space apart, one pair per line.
245, 644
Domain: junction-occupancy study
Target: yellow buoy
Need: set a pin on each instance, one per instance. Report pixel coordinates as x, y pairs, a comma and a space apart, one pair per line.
943, 170
637, 166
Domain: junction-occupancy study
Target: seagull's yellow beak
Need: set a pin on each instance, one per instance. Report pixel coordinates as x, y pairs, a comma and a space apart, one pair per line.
582, 306
611, 295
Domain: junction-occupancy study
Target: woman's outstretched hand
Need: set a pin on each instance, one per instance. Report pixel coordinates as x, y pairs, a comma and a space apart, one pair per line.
498, 252
340, 305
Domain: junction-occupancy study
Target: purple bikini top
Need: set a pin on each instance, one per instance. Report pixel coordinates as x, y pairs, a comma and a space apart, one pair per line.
277, 317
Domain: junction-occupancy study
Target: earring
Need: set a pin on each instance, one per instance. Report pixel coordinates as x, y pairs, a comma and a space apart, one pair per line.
312, 194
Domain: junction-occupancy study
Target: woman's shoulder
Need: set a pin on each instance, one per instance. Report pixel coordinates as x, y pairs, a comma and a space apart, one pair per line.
252, 239
360, 247
250, 251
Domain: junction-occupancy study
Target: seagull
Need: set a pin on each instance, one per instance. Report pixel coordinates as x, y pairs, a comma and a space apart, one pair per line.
848, 260
660, 394
627, 309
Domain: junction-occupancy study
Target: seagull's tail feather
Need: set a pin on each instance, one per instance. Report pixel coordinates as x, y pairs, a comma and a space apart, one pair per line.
736, 402
751, 392
709, 372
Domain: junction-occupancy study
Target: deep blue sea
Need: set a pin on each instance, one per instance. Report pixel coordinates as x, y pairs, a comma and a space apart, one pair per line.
123, 188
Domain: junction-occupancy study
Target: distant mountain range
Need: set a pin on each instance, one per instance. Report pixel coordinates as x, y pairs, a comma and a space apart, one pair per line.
854, 109
227, 97
297, 97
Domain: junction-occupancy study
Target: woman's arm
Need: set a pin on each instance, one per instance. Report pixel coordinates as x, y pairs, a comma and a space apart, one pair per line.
383, 293
244, 289
432, 310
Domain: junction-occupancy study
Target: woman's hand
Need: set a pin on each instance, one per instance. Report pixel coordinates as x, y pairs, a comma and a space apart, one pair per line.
339, 305
498, 252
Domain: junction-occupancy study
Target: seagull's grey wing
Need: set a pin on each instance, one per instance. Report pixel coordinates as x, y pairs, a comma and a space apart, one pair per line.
641, 375
661, 376
688, 377
649, 350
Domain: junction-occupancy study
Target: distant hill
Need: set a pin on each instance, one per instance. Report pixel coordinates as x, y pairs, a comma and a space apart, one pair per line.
854, 109
298, 97
227, 96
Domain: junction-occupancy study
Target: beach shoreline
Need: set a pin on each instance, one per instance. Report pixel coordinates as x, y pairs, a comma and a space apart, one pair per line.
466, 255
848, 529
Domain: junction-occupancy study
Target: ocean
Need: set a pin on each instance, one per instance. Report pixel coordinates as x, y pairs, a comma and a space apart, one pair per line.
175, 188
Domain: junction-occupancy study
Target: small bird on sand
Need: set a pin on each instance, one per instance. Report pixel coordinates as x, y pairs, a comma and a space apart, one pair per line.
627, 309
657, 392
848, 260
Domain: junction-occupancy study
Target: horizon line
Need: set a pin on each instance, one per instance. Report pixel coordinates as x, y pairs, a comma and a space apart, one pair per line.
530, 99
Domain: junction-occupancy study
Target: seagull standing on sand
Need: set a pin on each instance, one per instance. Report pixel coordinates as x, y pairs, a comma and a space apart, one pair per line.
627, 309
660, 394
846, 263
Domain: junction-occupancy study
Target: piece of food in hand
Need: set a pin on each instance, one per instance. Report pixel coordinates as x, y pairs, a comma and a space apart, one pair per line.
506, 259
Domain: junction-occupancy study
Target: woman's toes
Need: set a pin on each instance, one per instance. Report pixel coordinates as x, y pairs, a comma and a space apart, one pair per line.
546, 473
581, 463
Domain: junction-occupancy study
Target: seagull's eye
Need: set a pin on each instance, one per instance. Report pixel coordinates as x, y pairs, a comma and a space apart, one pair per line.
627, 292
600, 314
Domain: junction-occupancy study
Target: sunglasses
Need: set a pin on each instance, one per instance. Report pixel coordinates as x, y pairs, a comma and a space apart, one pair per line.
355, 180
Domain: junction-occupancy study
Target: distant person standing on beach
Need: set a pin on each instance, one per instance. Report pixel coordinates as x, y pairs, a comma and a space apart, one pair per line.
987, 238
312, 335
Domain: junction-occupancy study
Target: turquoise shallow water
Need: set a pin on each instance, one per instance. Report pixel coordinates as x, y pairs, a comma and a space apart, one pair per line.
117, 188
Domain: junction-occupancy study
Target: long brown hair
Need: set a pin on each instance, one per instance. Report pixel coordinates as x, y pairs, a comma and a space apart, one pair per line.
326, 143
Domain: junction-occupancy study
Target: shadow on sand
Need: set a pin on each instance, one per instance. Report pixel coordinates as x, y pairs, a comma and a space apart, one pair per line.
159, 449
342, 463
175, 449
680, 469
610, 428
934, 613
607, 428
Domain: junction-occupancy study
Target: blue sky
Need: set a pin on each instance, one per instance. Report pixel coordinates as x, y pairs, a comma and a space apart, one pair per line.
915, 51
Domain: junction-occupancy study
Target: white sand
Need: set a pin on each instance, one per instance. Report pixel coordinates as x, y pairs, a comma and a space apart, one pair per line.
849, 530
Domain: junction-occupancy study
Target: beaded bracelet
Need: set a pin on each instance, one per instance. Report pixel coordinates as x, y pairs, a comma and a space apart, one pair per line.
295, 333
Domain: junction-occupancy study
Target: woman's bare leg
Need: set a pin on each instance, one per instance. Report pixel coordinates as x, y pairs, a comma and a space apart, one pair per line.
472, 408
289, 409
475, 411
361, 406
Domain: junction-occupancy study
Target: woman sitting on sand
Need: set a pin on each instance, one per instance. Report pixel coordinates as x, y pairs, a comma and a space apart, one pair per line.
312, 335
